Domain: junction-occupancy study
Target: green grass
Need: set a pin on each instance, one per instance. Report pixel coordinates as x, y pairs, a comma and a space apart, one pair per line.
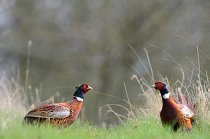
143, 128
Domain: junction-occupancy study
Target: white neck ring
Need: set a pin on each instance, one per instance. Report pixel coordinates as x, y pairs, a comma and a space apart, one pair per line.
166, 96
79, 99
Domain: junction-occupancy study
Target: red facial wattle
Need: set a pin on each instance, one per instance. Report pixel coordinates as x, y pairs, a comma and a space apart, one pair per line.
159, 85
86, 88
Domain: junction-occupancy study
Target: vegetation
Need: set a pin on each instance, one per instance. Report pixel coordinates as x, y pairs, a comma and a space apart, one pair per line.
142, 128
138, 122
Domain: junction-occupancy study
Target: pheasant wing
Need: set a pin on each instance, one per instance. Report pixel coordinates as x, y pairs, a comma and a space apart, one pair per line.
49, 111
186, 111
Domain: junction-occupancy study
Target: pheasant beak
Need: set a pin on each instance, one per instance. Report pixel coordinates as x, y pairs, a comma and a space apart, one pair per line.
89, 88
153, 85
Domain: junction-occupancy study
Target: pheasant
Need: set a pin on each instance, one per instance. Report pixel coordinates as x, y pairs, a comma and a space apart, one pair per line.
172, 113
59, 114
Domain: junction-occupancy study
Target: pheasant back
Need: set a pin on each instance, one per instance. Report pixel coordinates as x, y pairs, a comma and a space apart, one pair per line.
60, 114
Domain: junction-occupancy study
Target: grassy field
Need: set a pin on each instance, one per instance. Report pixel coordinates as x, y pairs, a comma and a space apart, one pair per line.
142, 123
150, 128
139, 126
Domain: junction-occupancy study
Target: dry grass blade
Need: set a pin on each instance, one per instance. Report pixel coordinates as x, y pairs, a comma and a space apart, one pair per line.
130, 105
12, 101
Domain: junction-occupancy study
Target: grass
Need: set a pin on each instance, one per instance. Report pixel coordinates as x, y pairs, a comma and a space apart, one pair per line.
142, 128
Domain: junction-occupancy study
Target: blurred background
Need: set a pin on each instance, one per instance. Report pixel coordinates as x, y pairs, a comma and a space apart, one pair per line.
51, 46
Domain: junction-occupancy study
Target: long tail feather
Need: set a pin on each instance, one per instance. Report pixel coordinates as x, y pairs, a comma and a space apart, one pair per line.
183, 100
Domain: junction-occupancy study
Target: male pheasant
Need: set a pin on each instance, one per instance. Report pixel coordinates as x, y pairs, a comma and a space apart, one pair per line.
59, 114
172, 113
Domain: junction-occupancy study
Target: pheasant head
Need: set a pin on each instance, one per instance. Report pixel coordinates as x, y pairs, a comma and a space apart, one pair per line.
81, 90
162, 88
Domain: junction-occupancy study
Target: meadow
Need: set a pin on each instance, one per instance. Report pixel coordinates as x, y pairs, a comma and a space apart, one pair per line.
142, 128
138, 122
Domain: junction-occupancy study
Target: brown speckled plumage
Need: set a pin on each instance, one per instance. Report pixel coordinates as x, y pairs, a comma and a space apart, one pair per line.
59, 114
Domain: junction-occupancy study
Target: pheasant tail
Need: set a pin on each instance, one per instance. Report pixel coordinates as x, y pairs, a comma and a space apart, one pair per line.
183, 100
